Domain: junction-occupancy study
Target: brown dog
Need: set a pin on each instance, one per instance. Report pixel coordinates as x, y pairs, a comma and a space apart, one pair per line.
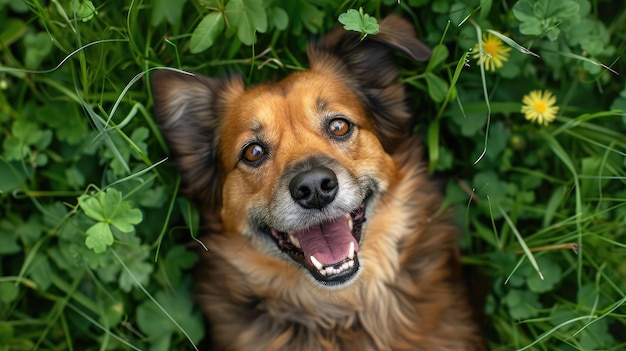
323, 228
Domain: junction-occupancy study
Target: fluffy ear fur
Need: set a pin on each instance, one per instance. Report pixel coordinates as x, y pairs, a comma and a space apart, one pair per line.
188, 109
368, 65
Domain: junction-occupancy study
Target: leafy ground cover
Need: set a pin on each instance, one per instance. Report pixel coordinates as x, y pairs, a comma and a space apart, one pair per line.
522, 108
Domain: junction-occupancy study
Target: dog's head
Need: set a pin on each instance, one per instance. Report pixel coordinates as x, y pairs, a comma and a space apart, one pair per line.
296, 165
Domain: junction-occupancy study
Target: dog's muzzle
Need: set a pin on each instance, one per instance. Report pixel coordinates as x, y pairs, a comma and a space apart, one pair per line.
327, 249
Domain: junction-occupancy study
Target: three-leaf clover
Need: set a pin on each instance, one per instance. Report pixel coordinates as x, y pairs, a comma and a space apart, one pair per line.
359, 22
108, 209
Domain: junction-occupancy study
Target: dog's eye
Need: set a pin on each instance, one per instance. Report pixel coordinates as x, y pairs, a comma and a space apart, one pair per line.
253, 153
339, 127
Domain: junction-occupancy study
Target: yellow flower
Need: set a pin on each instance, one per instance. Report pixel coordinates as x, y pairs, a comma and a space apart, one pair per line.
495, 53
539, 107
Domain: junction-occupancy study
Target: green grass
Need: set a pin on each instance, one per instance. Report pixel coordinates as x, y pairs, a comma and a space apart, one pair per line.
93, 229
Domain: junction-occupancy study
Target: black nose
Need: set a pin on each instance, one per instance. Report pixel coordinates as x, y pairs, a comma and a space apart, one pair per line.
314, 188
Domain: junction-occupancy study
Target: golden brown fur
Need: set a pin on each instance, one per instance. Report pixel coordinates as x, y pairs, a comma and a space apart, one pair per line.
407, 292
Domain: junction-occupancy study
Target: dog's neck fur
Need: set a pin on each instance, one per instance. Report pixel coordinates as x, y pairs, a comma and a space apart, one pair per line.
418, 263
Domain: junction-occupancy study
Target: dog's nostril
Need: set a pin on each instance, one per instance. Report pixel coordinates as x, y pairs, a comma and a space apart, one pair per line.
314, 188
302, 191
329, 184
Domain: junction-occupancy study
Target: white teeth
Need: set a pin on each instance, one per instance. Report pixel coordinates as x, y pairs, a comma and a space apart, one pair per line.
349, 219
317, 264
294, 240
330, 270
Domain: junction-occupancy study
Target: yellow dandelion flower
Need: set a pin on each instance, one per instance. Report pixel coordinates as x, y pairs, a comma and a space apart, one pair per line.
539, 107
495, 52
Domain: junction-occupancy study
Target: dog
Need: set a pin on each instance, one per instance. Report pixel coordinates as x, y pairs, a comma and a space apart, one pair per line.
323, 229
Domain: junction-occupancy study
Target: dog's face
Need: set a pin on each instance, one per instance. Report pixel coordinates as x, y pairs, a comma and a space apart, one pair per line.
300, 159
295, 166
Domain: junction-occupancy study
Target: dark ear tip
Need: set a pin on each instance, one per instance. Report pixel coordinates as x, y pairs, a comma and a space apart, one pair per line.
399, 33
166, 74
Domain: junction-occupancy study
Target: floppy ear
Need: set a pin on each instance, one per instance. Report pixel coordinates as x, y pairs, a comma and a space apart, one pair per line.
368, 66
188, 109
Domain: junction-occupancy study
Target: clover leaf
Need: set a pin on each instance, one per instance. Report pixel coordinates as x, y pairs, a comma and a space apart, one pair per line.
359, 22
108, 209
551, 272
546, 16
175, 305
522, 304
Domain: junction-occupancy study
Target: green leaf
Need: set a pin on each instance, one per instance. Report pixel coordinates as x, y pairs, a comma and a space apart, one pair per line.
522, 304
85, 10
179, 305
359, 22
40, 271
440, 54
8, 239
38, 47
92, 207
15, 149
470, 123
437, 87
279, 17
177, 259
311, 16
11, 178
440, 6
523, 10
152, 198
551, 276
203, 37
75, 178
124, 218
498, 140
137, 268
620, 104
66, 120
531, 27
487, 183
99, 237
8, 292
12, 30
170, 10
27, 132
587, 296
113, 312
108, 206
596, 336
249, 17
30, 231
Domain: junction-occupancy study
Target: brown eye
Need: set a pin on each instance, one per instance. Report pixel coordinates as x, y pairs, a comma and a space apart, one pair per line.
339, 127
253, 154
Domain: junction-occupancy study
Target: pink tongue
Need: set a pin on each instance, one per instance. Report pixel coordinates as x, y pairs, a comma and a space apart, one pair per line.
328, 242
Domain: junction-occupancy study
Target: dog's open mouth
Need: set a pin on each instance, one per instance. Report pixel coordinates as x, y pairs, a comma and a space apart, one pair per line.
328, 250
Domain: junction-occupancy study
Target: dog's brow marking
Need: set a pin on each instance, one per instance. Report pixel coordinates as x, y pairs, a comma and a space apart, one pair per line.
256, 126
322, 104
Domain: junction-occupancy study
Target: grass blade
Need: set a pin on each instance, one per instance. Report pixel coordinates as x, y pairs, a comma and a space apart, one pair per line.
521, 241
512, 43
